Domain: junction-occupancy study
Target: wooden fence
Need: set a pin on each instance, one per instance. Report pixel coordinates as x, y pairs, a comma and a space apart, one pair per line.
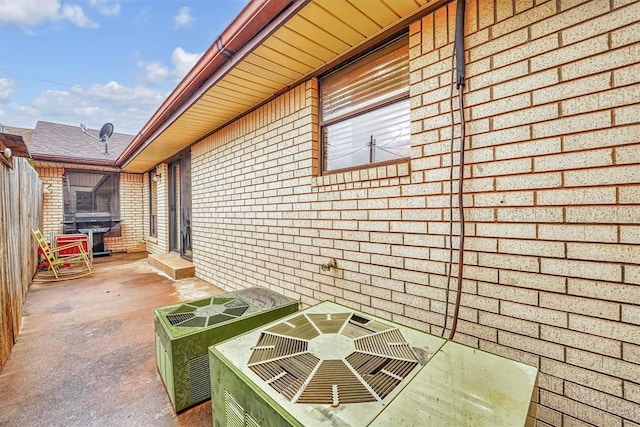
20, 211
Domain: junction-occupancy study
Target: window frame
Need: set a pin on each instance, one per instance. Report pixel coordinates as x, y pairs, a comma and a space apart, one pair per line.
153, 196
323, 124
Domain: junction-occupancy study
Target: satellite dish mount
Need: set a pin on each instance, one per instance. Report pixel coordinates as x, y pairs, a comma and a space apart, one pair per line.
105, 133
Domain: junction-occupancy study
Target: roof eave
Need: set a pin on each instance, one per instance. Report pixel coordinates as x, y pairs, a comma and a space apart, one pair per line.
256, 15
15, 143
73, 160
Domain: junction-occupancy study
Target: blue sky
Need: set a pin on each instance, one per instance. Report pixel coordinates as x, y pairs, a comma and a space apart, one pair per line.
98, 61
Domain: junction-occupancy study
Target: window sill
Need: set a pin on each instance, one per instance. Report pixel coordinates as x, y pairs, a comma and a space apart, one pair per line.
374, 176
151, 239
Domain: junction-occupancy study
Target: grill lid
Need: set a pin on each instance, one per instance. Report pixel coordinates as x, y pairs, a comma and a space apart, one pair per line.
92, 216
98, 222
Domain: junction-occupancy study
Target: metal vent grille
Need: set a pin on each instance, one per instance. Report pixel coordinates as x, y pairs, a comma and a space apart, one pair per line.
199, 385
271, 346
287, 375
332, 358
381, 373
389, 343
335, 383
177, 318
207, 312
249, 421
329, 324
298, 327
235, 414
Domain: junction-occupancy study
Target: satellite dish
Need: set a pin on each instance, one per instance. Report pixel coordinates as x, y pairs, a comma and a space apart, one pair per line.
106, 131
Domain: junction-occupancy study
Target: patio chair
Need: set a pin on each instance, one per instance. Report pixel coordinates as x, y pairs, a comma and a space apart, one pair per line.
64, 262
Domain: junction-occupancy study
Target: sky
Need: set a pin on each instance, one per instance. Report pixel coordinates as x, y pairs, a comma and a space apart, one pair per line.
99, 61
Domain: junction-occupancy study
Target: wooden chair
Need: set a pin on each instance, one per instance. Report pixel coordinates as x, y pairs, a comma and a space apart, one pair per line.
64, 262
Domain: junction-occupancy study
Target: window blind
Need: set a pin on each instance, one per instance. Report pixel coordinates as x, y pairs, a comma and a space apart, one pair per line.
365, 111
372, 80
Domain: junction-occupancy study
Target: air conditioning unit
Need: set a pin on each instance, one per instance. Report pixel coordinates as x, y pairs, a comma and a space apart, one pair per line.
329, 365
185, 331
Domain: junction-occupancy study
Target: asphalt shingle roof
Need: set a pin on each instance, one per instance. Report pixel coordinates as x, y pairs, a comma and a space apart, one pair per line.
54, 140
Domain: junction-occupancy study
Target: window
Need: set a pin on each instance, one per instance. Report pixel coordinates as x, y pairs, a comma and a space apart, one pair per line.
89, 192
153, 203
364, 109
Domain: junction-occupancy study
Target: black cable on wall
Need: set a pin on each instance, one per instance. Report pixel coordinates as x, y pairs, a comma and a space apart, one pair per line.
460, 64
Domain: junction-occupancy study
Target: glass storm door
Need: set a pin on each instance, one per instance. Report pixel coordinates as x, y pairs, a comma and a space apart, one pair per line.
180, 207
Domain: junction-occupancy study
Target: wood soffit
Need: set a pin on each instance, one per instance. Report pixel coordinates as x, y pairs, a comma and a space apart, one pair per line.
319, 36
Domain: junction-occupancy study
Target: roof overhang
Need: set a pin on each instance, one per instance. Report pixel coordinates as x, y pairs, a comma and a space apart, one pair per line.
16, 146
76, 166
270, 47
53, 159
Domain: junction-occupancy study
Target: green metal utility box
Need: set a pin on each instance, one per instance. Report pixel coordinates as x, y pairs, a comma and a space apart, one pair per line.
183, 333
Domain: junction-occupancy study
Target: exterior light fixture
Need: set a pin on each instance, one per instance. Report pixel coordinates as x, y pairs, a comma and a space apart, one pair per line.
157, 175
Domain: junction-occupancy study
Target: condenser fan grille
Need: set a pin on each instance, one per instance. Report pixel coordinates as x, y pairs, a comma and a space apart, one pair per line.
177, 318
332, 358
207, 312
271, 347
287, 375
335, 383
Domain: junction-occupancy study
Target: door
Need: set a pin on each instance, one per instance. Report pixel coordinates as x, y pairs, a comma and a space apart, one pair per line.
185, 207
180, 206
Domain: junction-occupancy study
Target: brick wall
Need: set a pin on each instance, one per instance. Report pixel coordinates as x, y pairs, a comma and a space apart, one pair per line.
552, 159
131, 211
252, 201
52, 199
552, 275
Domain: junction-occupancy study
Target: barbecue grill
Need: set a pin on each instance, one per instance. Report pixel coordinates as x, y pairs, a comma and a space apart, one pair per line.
96, 225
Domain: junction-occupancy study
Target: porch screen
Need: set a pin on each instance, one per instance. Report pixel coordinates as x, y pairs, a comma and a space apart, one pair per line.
87, 192
364, 109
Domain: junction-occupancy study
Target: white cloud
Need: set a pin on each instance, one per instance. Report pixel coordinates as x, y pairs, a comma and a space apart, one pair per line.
128, 108
76, 15
6, 86
157, 73
183, 18
30, 13
181, 60
106, 7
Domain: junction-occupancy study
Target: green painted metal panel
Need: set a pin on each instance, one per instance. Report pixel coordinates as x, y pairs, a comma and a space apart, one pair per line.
182, 342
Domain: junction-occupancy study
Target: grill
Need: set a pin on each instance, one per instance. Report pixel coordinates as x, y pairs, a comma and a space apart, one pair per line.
96, 225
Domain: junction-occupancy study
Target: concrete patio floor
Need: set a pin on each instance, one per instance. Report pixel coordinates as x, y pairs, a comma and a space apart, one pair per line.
85, 355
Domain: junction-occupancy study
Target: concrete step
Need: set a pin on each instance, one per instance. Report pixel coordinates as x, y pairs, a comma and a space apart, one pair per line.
172, 265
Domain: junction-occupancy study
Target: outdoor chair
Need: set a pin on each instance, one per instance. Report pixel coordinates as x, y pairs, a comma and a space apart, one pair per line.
63, 262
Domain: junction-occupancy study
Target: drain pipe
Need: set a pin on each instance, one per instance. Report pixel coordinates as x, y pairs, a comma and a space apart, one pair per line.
459, 50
